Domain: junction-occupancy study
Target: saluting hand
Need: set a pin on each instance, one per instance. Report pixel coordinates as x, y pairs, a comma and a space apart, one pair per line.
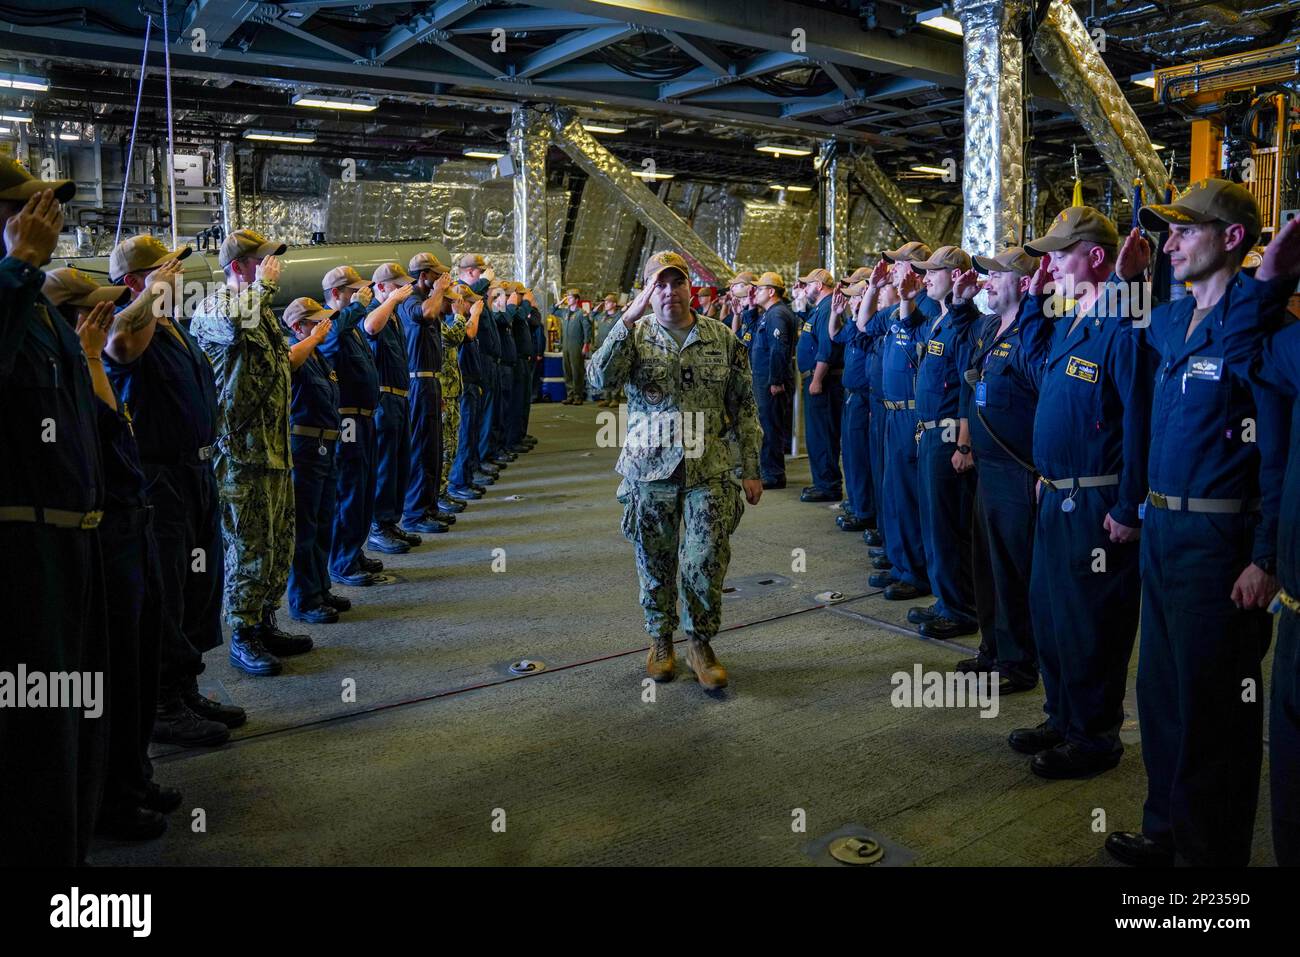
966, 286
910, 286
322, 330
1281, 257
402, 293
268, 270
93, 330
638, 306
32, 233
476, 310
879, 275
1042, 276
1134, 256
442, 282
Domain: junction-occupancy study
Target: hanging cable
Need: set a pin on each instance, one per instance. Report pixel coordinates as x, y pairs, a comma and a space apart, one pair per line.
135, 122
171, 152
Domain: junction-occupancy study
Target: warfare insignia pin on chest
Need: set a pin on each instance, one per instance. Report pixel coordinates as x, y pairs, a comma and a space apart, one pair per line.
688, 376
654, 395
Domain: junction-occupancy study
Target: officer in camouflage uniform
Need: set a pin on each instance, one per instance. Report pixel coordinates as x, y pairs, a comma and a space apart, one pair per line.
575, 344
455, 326
242, 339
688, 389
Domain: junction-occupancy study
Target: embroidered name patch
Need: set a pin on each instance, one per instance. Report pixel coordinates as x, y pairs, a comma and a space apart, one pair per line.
1205, 367
935, 347
1082, 369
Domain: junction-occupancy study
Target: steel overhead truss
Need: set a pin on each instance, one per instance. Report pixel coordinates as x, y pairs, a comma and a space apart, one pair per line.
296, 41
600, 164
1066, 50
889, 199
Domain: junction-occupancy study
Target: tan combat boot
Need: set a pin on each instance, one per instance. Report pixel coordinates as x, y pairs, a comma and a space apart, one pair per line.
709, 672
661, 662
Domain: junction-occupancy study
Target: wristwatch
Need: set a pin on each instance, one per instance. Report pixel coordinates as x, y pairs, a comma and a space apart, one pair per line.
964, 449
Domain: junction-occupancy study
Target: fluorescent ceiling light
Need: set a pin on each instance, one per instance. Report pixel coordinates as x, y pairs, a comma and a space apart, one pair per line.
356, 104
914, 200
778, 150
16, 116
1158, 146
69, 136
939, 20
1147, 79
602, 128
3, 130
935, 170
487, 154
22, 81
648, 175
271, 136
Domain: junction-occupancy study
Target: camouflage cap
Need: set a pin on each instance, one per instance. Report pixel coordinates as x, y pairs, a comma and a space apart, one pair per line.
343, 276
913, 252
947, 257
662, 261
246, 242
141, 254
422, 261
1206, 201
305, 307
19, 185
392, 272
75, 288
1012, 259
1074, 225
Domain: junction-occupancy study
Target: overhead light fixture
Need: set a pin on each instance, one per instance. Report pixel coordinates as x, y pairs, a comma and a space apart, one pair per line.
934, 170
914, 200
645, 174
485, 154
777, 149
939, 20
3, 130
1147, 79
1158, 146
69, 136
23, 81
602, 128
791, 188
357, 104
273, 136
15, 116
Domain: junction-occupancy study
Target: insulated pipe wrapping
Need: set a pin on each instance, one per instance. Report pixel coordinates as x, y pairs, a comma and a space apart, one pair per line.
993, 172
229, 187
602, 165
889, 198
1065, 49
529, 141
835, 208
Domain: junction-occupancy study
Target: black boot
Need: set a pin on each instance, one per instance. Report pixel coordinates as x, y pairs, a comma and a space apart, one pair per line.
282, 643
227, 714
249, 655
175, 723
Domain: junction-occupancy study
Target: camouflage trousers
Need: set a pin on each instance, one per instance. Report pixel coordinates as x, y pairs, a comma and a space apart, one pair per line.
654, 514
257, 527
450, 439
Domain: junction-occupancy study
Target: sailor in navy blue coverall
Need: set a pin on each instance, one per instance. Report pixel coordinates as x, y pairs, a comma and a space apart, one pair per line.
1091, 430
1209, 543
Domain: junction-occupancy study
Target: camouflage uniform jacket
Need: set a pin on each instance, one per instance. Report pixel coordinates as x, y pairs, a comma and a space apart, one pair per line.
453, 334
705, 386
245, 344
